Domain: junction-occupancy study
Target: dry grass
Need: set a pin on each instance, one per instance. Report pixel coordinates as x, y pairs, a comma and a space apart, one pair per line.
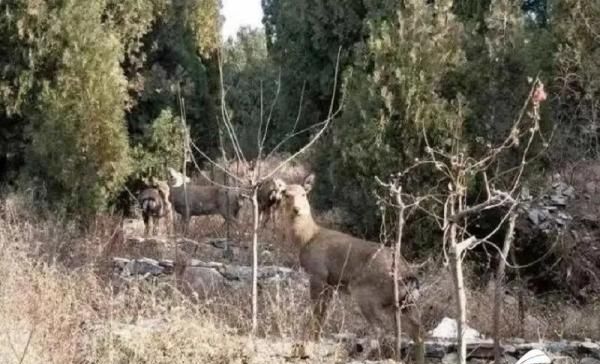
60, 304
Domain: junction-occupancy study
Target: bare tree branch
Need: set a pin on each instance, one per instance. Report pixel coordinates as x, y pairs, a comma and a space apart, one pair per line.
330, 116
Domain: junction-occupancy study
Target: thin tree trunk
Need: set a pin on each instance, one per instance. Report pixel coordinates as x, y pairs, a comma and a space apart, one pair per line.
397, 252
461, 298
185, 160
254, 259
500, 285
520, 298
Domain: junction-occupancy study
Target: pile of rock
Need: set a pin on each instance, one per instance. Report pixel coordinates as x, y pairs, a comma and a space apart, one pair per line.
208, 272
548, 212
141, 268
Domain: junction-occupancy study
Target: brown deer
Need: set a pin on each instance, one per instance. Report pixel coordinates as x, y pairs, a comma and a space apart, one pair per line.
335, 260
269, 197
155, 205
202, 200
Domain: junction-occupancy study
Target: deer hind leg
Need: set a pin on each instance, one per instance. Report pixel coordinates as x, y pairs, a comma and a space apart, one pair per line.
169, 220
412, 317
372, 308
320, 295
146, 218
185, 224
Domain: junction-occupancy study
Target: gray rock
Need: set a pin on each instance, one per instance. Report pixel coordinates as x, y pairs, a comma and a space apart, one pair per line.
534, 216
167, 263
450, 358
237, 272
477, 361
558, 200
228, 253
560, 359
128, 270
569, 192
590, 348
274, 271
201, 280
197, 263
120, 263
221, 243
146, 266
589, 360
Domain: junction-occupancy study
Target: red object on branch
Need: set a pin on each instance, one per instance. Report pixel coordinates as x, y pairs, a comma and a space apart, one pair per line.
539, 94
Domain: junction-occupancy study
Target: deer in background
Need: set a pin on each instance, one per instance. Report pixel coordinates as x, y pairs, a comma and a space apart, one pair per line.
202, 200
338, 261
155, 205
269, 197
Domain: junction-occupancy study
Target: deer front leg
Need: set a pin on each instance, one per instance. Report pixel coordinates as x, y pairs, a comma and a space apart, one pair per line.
155, 223
265, 216
320, 295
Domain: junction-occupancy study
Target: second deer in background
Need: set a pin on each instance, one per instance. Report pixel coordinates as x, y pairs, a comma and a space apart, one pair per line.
202, 200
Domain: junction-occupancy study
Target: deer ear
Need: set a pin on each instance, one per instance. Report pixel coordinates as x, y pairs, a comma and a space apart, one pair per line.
308, 183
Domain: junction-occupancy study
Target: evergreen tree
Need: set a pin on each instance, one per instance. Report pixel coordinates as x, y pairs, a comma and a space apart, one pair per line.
79, 142
395, 97
576, 25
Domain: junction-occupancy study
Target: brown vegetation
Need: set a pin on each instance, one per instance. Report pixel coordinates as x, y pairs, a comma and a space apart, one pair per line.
57, 294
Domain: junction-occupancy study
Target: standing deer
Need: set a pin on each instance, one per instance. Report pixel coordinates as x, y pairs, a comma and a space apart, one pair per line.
335, 260
269, 197
155, 204
202, 200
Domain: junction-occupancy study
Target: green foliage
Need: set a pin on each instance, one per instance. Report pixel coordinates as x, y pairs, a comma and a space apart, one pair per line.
393, 99
175, 70
79, 142
576, 25
162, 147
75, 74
303, 38
501, 57
251, 81
206, 23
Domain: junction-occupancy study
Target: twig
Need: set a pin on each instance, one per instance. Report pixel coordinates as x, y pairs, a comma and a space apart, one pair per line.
26, 349
330, 116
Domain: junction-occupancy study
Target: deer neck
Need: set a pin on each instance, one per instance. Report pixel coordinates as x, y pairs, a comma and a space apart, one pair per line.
303, 229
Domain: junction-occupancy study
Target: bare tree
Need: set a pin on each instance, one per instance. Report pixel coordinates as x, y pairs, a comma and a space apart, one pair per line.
459, 170
403, 207
258, 175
